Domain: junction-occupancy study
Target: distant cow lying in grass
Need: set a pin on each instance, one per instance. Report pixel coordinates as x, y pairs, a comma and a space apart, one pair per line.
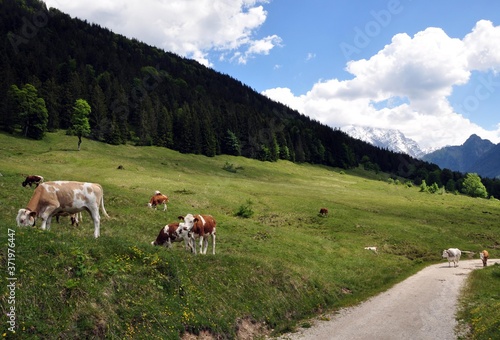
323, 212
32, 179
157, 199
484, 255
374, 249
453, 255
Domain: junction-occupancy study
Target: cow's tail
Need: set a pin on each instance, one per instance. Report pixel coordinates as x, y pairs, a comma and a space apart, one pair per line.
102, 207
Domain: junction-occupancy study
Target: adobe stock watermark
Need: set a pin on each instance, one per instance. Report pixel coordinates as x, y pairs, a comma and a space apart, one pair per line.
484, 90
138, 93
363, 36
11, 280
29, 29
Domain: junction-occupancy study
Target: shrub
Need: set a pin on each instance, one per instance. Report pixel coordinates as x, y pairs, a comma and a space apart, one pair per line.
229, 167
245, 210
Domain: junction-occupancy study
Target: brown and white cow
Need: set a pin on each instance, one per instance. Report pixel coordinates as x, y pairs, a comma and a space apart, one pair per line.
52, 198
484, 255
171, 233
157, 199
32, 179
202, 226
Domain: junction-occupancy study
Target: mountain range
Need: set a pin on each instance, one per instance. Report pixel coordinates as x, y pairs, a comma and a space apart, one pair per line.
393, 140
476, 155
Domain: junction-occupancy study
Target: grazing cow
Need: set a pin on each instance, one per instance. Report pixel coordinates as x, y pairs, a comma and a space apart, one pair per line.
157, 199
484, 255
32, 179
374, 249
202, 226
453, 255
323, 212
168, 234
52, 198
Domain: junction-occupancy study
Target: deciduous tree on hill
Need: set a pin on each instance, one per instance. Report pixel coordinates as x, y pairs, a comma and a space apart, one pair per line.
80, 120
473, 186
30, 110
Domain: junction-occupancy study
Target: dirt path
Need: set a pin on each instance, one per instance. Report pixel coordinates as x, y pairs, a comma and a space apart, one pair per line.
421, 307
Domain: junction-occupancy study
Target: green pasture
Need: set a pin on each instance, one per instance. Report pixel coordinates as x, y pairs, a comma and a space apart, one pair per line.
272, 270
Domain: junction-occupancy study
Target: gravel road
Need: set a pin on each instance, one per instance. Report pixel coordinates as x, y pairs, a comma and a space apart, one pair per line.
421, 307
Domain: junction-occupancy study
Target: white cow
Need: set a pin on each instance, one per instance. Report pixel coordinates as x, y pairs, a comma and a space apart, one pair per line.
52, 198
453, 255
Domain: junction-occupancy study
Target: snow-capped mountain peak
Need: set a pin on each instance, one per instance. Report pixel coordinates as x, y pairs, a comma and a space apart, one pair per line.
389, 139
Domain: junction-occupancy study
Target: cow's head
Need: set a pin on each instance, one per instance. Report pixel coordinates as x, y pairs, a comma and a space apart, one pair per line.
25, 218
445, 254
162, 237
189, 221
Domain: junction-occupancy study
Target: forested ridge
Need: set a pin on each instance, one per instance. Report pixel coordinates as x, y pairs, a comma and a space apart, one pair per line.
144, 95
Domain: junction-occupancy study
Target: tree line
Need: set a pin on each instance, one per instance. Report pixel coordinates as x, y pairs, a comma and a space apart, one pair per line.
143, 95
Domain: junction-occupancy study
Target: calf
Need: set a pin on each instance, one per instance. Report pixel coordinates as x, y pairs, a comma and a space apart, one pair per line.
199, 226
453, 255
484, 255
323, 212
170, 233
32, 179
52, 198
157, 199
75, 218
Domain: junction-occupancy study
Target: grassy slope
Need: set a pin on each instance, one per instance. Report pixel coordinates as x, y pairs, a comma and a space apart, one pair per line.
282, 265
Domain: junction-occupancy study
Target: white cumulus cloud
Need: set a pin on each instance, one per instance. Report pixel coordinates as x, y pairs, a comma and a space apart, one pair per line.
423, 70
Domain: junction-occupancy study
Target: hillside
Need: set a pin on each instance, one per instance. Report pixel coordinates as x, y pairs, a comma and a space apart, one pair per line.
141, 94
279, 266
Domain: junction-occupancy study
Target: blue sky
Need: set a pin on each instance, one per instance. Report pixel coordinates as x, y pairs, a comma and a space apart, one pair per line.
427, 68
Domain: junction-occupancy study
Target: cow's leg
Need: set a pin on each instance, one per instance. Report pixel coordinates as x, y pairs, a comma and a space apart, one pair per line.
193, 244
205, 241
97, 219
49, 219
46, 217
44, 224
202, 238
164, 206
213, 244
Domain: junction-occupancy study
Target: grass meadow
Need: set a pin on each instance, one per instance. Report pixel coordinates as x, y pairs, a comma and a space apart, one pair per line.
272, 270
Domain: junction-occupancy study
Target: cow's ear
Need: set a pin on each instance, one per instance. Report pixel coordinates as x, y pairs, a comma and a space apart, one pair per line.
195, 220
32, 213
181, 218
